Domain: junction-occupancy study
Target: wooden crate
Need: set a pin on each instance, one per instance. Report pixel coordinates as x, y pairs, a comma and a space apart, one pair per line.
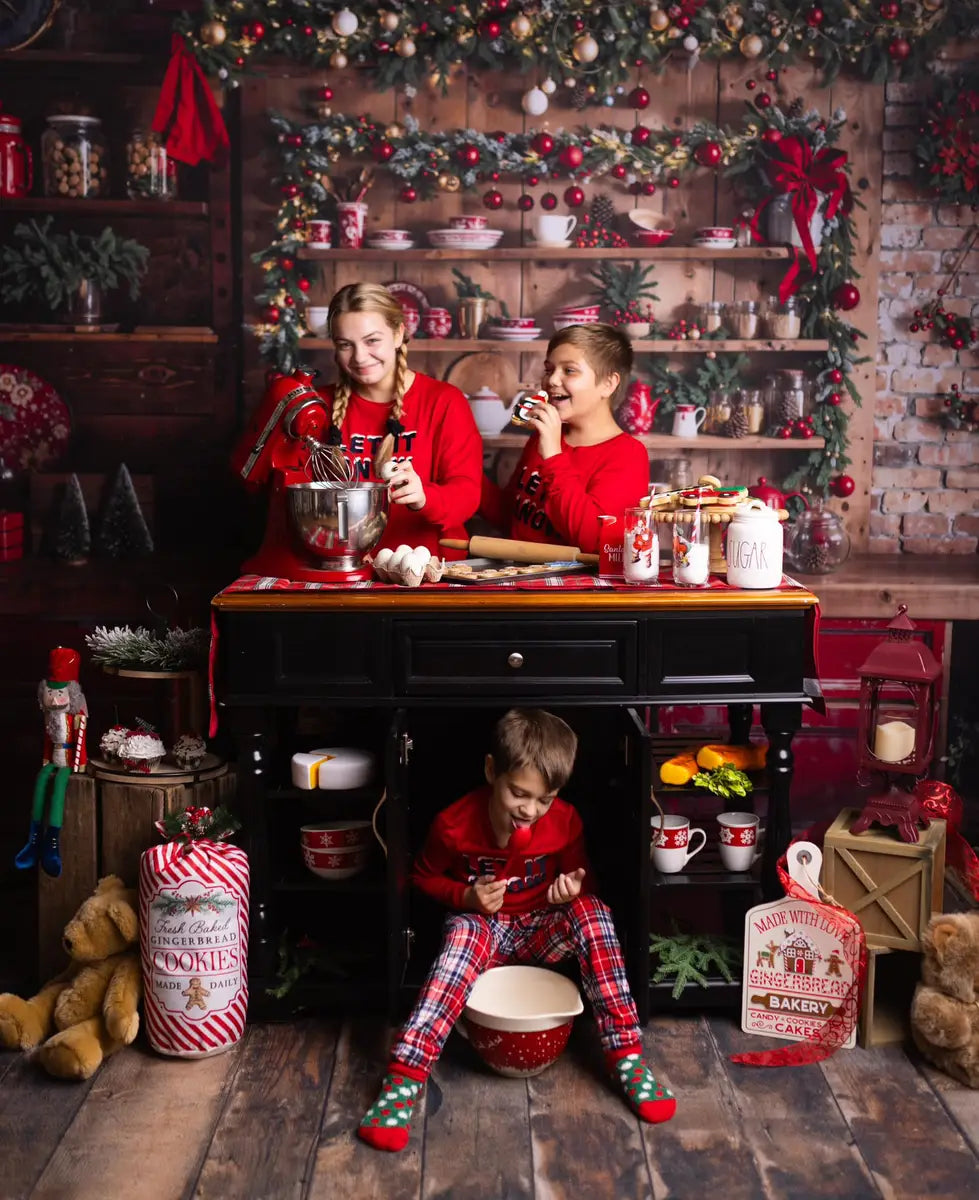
892, 887
885, 1015
107, 827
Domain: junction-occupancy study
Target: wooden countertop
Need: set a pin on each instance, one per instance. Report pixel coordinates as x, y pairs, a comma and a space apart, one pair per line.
939, 587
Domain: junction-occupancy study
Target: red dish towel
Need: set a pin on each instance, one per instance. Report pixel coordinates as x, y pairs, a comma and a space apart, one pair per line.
187, 113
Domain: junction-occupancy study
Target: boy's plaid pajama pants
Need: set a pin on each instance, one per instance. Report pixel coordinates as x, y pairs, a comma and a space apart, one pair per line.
473, 943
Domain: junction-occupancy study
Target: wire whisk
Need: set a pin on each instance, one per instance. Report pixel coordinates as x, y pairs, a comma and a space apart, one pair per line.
328, 464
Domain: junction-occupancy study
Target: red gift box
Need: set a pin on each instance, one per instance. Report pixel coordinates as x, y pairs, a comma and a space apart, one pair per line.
11, 536
11, 522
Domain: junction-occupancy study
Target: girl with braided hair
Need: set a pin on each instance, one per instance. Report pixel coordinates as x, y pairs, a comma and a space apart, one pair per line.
398, 425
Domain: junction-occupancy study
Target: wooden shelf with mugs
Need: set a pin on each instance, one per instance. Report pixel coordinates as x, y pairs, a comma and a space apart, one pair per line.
645, 345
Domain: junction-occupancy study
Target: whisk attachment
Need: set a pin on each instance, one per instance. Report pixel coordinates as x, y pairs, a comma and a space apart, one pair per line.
327, 463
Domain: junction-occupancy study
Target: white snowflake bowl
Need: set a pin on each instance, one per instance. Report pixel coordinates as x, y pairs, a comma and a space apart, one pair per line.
336, 863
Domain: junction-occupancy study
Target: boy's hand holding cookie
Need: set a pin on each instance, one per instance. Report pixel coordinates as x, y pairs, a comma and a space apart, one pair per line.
547, 421
486, 895
566, 887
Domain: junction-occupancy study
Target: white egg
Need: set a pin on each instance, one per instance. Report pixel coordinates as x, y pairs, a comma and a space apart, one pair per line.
383, 557
415, 563
404, 548
422, 552
388, 469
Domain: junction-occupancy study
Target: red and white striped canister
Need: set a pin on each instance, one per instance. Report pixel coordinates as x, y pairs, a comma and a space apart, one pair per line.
193, 915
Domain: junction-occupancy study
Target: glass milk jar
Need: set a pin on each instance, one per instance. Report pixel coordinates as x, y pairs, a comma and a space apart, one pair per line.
640, 551
754, 547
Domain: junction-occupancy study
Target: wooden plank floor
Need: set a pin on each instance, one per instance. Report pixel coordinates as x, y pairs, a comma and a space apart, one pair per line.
275, 1118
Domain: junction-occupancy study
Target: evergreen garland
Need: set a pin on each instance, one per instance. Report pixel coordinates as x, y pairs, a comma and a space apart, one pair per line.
138, 649
217, 825
691, 957
413, 40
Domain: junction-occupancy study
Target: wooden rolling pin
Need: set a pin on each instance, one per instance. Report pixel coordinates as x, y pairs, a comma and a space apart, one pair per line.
524, 552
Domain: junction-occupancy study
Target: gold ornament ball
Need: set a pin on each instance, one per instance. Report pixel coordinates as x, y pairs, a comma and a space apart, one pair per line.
393, 131
452, 183
406, 48
751, 46
323, 111
390, 21
520, 27
214, 33
658, 20
338, 60
585, 49
734, 22
933, 5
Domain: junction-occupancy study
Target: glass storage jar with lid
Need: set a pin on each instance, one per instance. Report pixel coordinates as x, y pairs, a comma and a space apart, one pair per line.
783, 318
741, 317
151, 173
710, 315
791, 390
73, 150
819, 543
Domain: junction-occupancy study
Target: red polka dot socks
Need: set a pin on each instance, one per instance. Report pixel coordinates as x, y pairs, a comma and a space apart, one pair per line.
387, 1123
651, 1101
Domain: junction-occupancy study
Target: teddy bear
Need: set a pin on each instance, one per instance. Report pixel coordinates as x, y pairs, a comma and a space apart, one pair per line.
90, 1010
945, 1008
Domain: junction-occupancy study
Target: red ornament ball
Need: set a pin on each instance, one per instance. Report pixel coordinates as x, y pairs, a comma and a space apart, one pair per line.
286, 264
815, 17
709, 154
298, 224
846, 297
785, 431
640, 135
899, 49
772, 136
383, 151
491, 30
771, 75
493, 199
836, 375
619, 171
542, 143
325, 94
303, 285
763, 100
272, 314
571, 156
548, 201
639, 98
842, 485
890, 11
835, 399
525, 203
648, 187
256, 31
673, 181
407, 195
574, 197
468, 154
288, 302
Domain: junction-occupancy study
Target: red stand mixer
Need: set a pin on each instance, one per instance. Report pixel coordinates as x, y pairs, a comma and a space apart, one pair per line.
320, 523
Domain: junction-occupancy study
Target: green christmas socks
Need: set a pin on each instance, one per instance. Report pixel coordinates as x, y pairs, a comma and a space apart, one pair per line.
387, 1123
651, 1101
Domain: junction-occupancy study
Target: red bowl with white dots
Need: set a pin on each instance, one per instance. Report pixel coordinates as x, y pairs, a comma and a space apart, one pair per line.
518, 1019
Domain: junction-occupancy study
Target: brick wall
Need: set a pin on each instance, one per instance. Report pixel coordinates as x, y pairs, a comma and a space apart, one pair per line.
925, 482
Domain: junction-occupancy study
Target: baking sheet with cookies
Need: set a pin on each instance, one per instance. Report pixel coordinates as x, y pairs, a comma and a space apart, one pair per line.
497, 570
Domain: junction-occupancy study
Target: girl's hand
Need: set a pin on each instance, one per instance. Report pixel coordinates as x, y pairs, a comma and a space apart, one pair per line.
486, 895
566, 887
546, 420
406, 487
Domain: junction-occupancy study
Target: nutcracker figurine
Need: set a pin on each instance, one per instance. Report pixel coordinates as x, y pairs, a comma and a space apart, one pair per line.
62, 701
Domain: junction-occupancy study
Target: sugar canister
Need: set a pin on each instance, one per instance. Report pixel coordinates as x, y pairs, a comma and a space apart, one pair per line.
754, 547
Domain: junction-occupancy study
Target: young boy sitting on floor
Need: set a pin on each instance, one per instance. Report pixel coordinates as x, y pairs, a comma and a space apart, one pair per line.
543, 913
578, 464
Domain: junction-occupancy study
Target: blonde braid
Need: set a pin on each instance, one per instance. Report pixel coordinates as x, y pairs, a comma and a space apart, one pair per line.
341, 398
386, 449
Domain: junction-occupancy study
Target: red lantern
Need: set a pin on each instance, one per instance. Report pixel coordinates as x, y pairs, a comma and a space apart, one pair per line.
846, 297
709, 154
897, 724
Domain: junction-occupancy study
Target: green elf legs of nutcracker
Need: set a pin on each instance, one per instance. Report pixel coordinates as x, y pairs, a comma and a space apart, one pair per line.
48, 847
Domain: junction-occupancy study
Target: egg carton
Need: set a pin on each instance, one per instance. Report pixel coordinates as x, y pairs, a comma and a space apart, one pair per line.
406, 566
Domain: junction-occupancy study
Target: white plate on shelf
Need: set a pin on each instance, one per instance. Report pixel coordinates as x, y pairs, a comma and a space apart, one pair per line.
513, 335
715, 243
382, 245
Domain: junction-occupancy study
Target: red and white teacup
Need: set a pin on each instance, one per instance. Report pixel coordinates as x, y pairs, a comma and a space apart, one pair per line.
715, 233
673, 843
468, 221
437, 322
738, 840
319, 233
350, 217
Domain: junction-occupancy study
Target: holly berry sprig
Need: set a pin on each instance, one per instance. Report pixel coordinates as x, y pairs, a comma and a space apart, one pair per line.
592, 234
960, 412
195, 823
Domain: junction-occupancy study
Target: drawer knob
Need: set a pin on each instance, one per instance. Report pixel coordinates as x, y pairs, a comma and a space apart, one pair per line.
515, 659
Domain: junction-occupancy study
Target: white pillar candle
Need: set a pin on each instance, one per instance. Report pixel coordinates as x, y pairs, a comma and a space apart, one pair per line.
893, 741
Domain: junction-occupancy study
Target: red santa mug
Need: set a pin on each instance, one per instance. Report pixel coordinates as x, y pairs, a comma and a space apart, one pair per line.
350, 218
319, 233
610, 546
673, 843
738, 840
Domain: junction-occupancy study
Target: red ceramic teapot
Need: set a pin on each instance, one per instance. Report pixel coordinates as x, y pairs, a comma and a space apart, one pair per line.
770, 495
16, 160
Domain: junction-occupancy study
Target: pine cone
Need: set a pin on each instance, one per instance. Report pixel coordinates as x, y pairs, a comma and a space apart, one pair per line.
602, 211
786, 409
795, 109
737, 424
815, 559
579, 97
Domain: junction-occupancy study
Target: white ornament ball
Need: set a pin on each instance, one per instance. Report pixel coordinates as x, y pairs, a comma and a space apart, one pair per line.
338, 60
390, 21
548, 87
344, 23
406, 48
534, 102
585, 49
691, 43
520, 27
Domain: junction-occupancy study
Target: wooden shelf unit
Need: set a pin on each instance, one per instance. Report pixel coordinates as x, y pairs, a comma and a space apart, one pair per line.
562, 254
646, 345
666, 441
105, 208
174, 337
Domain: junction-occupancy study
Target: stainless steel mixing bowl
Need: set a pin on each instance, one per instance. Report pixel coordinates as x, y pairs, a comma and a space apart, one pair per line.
336, 523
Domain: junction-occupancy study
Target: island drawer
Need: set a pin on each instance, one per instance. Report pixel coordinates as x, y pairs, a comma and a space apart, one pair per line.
515, 658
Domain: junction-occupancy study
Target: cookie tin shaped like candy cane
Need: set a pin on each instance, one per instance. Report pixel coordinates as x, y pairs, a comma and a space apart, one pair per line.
193, 915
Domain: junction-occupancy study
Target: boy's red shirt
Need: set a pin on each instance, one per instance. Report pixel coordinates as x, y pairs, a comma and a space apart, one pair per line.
560, 499
460, 847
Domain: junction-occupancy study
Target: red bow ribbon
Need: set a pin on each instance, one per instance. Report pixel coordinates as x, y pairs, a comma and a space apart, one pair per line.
186, 112
942, 801
835, 1031
793, 170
